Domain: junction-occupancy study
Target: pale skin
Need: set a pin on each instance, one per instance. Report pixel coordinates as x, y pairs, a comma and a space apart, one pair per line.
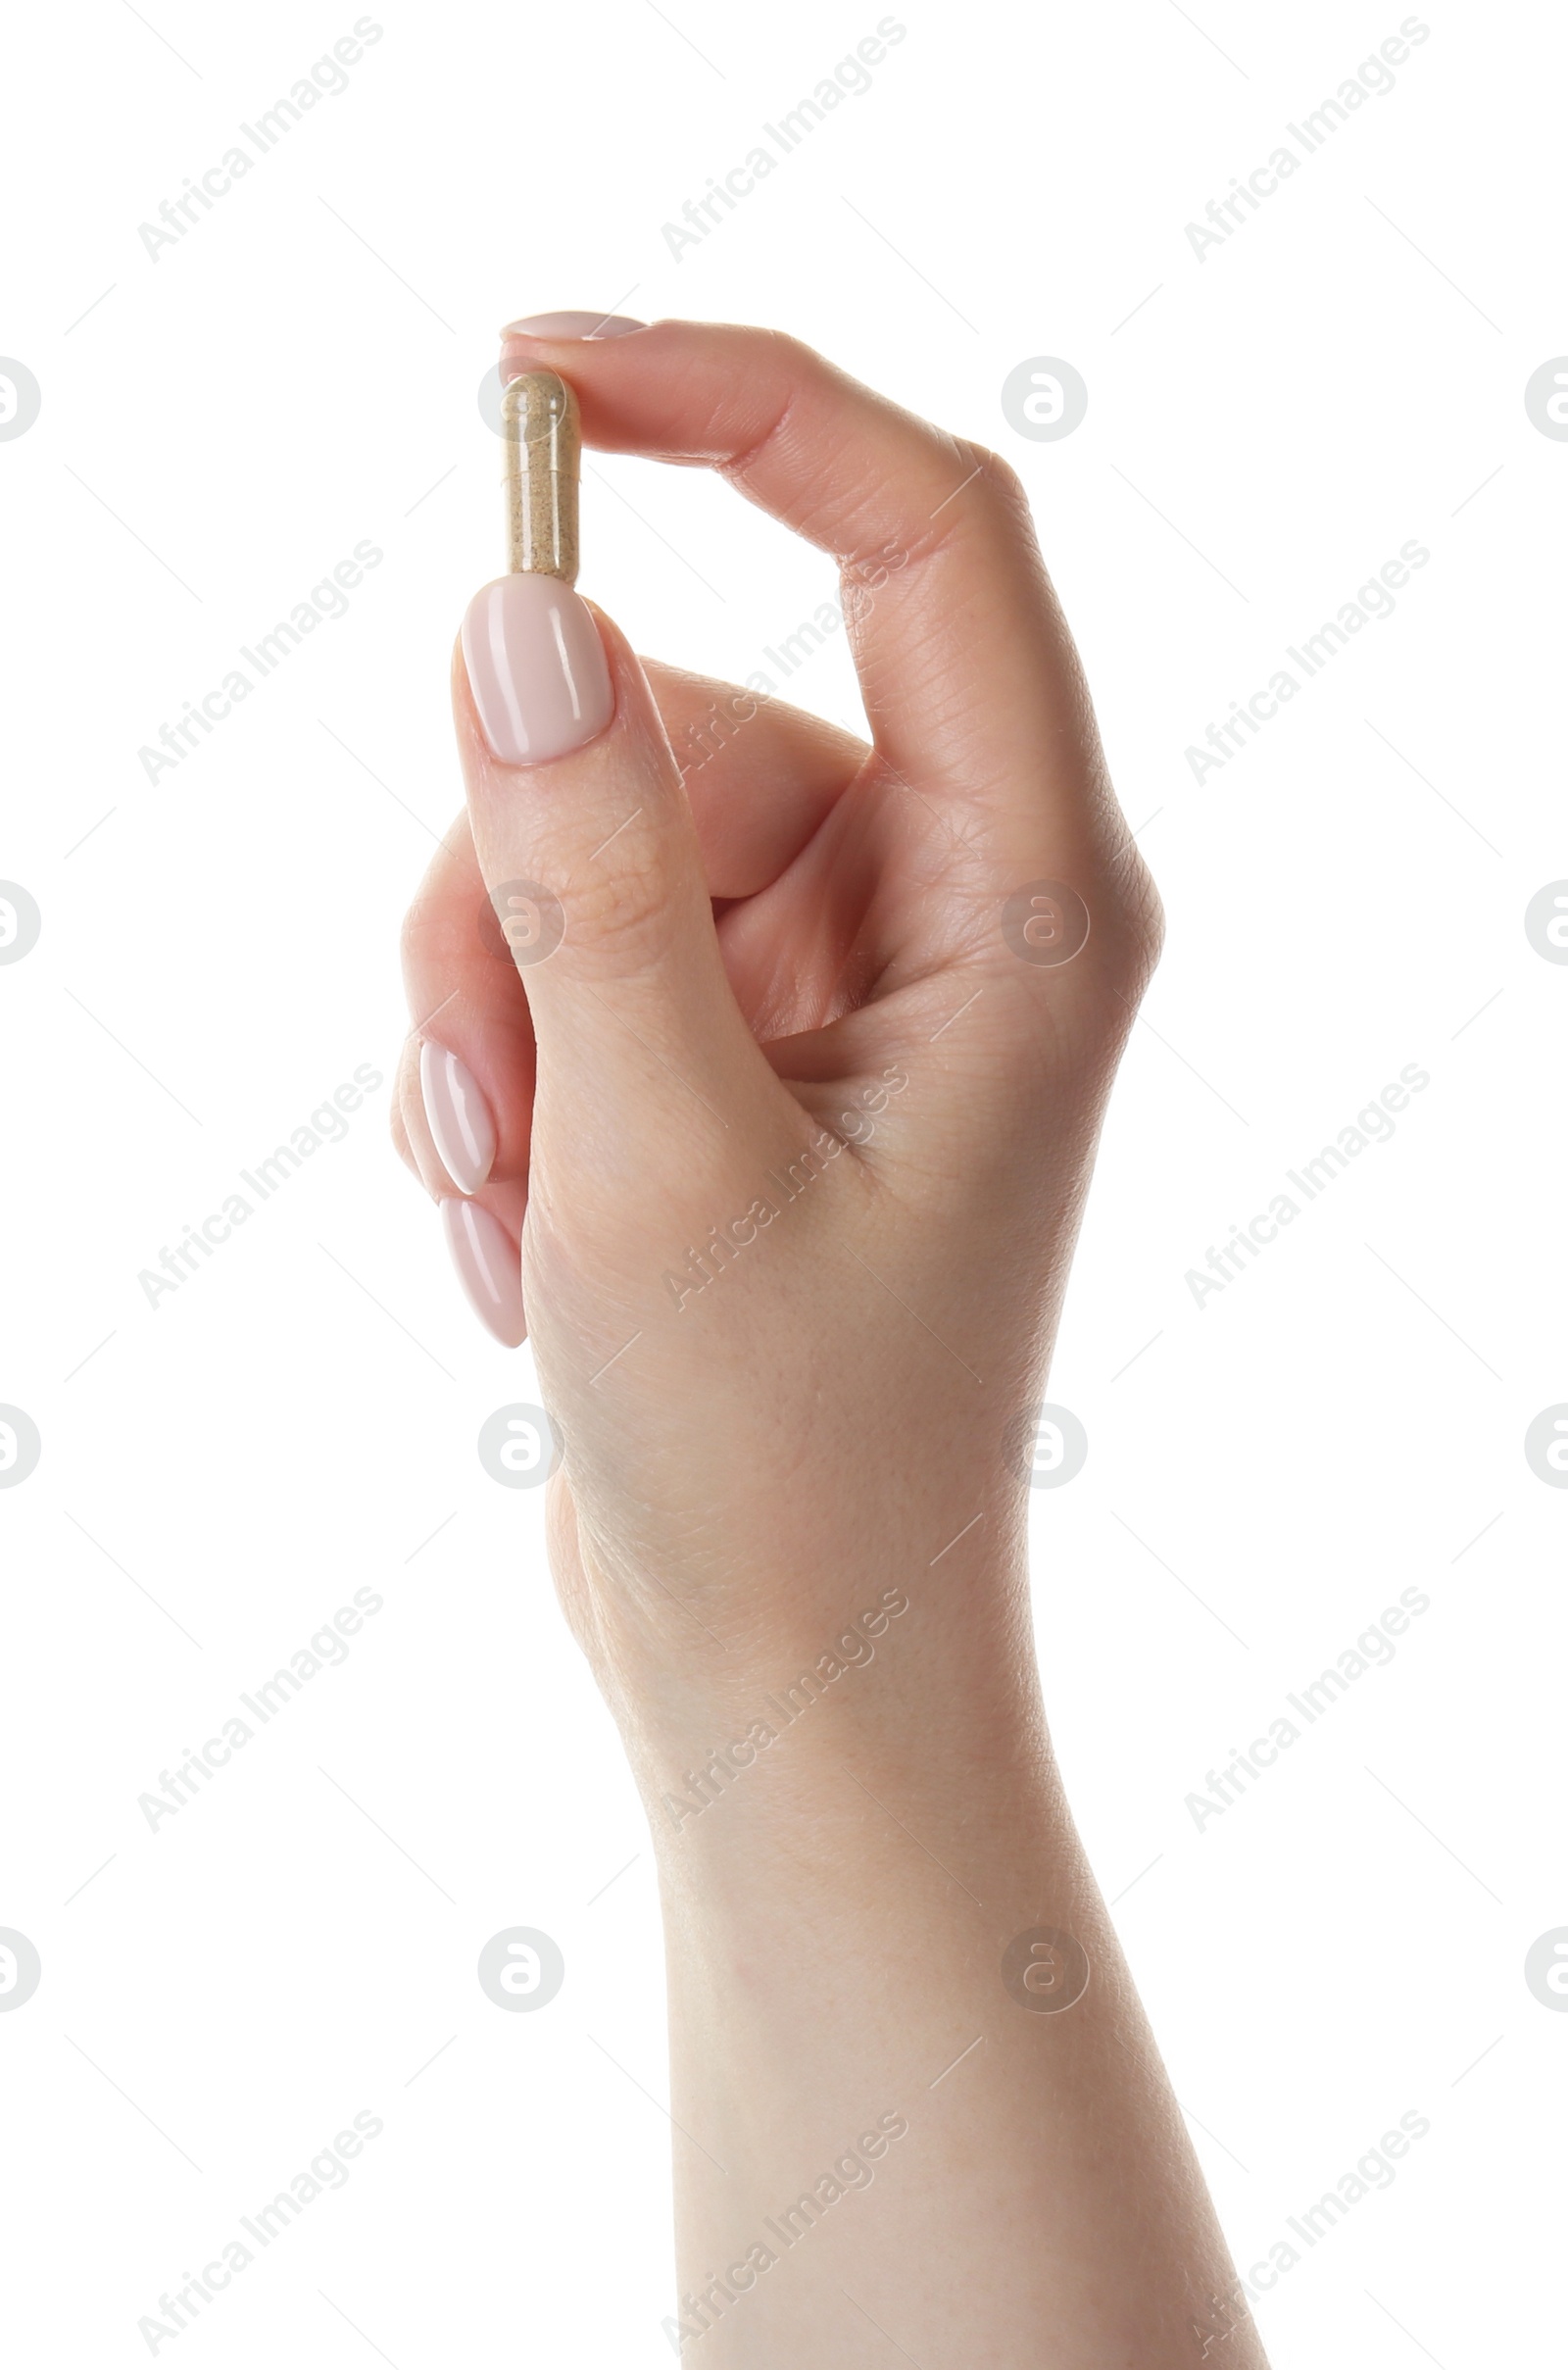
797, 942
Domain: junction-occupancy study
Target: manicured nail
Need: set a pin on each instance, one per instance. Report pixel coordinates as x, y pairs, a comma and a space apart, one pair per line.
458, 1116
537, 669
488, 1267
573, 325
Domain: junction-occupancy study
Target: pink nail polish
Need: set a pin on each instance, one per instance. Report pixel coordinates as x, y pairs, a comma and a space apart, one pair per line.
587, 325
537, 669
488, 1267
458, 1116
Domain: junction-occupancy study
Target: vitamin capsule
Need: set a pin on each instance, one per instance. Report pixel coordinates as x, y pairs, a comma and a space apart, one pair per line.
540, 439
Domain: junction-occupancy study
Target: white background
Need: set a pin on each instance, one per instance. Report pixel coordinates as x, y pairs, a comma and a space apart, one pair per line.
1265, 427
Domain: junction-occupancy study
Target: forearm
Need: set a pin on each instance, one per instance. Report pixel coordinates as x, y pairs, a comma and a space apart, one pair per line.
872, 2123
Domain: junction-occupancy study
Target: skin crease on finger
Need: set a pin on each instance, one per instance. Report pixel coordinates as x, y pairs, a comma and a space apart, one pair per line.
805, 1137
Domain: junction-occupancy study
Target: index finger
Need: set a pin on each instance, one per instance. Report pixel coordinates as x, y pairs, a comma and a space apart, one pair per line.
970, 681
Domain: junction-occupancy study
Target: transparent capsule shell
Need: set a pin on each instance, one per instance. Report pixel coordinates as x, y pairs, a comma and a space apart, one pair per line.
542, 444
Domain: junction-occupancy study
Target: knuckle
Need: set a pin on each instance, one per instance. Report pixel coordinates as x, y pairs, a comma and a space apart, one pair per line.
1150, 918
1000, 474
1134, 932
996, 476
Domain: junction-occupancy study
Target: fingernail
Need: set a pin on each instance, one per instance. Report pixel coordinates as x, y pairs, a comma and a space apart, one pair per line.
458, 1116
586, 325
537, 669
488, 1267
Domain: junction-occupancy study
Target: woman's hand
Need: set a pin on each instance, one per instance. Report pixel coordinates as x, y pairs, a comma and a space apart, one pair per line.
791, 1093
798, 1163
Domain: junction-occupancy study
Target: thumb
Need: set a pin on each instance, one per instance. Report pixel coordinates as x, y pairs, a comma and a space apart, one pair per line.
590, 856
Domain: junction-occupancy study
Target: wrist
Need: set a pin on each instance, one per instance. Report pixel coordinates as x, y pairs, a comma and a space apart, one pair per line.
924, 1694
